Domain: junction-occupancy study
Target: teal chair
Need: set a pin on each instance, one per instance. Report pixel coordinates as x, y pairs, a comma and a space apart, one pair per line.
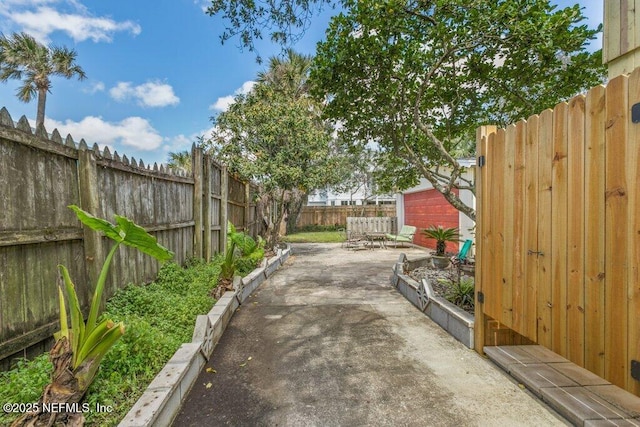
463, 255
405, 235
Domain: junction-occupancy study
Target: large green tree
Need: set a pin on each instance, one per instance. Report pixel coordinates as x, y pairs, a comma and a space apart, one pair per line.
22, 57
276, 136
418, 76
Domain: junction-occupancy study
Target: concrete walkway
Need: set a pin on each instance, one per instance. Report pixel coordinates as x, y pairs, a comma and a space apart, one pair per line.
327, 341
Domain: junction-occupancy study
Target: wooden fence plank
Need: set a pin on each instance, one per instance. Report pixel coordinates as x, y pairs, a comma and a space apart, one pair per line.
197, 200
509, 191
575, 231
518, 251
206, 209
530, 238
594, 230
559, 228
482, 137
488, 270
616, 232
633, 249
493, 304
545, 186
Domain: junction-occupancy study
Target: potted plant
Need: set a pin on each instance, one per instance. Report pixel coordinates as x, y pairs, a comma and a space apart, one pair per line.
442, 236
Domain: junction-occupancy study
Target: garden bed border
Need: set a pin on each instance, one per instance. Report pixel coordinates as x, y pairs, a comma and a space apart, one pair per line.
450, 317
163, 398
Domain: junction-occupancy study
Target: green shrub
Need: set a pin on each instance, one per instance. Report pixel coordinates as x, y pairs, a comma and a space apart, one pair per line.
315, 227
461, 293
159, 317
24, 384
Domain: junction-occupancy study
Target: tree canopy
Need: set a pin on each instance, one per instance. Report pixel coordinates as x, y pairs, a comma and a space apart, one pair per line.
418, 78
277, 136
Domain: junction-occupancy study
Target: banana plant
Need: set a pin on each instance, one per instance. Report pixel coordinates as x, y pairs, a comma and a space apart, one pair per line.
80, 346
239, 246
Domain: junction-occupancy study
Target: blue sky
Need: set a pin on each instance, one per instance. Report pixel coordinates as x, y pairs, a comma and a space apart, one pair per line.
156, 71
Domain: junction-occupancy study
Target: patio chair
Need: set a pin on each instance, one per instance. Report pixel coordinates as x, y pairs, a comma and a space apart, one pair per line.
463, 255
404, 236
352, 239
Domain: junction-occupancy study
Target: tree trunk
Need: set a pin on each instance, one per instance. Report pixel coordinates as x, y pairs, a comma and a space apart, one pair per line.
63, 391
42, 100
297, 201
273, 238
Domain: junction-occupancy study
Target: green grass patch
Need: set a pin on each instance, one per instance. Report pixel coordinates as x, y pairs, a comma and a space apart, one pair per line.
158, 318
316, 237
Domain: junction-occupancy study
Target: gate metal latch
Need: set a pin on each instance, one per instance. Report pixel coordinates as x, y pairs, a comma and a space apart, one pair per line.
537, 253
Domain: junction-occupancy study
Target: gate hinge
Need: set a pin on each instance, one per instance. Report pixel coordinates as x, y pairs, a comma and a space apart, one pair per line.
481, 161
480, 297
635, 370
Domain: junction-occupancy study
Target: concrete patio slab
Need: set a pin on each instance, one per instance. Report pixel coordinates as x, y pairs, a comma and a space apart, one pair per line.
327, 341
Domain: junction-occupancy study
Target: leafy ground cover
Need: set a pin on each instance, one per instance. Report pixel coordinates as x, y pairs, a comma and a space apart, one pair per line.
158, 318
315, 237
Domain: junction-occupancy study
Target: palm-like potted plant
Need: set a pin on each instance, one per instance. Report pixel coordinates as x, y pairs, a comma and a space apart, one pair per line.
442, 236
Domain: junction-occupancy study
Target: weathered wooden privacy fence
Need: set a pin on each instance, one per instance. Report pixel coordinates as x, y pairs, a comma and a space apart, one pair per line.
361, 225
41, 175
559, 232
337, 215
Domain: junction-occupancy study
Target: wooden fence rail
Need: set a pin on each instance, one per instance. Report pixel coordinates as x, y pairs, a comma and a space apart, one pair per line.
337, 215
40, 175
558, 251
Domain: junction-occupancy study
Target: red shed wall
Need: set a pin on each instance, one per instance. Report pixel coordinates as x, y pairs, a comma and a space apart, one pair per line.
429, 207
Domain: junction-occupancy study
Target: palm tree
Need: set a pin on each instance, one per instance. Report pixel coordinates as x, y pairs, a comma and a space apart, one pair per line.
289, 74
180, 161
22, 57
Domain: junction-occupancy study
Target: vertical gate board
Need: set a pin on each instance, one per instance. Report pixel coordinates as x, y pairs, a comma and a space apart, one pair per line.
559, 230
530, 225
495, 162
508, 292
594, 231
517, 225
575, 232
616, 232
545, 183
633, 251
482, 137
487, 269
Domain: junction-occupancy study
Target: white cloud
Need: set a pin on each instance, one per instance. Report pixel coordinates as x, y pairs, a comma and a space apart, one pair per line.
134, 132
184, 142
94, 87
40, 18
150, 94
223, 103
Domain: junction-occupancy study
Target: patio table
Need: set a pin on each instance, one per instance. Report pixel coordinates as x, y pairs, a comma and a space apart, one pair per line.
374, 237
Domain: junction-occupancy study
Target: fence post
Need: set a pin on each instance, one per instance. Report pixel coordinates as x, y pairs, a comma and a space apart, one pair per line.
224, 207
206, 209
247, 203
196, 156
90, 202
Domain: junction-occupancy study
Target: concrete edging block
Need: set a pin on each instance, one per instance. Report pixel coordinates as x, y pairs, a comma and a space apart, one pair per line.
162, 399
457, 322
272, 265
